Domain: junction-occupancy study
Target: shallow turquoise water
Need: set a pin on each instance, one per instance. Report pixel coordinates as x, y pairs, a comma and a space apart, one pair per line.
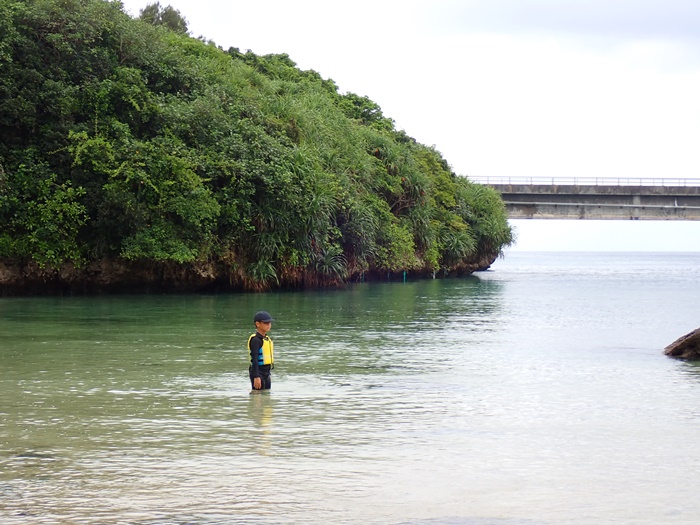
534, 393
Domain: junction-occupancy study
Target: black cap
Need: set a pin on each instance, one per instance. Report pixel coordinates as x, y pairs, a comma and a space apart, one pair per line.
263, 317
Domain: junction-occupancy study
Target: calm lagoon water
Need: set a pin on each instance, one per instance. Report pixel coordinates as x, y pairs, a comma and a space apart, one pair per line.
532, 394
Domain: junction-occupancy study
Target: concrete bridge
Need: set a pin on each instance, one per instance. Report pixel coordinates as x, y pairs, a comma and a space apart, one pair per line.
599, 198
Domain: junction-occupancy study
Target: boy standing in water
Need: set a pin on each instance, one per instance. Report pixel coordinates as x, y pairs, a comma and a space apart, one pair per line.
261, 353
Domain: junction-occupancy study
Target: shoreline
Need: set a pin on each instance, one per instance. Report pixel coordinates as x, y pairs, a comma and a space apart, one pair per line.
118, 276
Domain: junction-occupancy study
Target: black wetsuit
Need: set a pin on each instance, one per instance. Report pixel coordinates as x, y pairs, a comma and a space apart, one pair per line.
256, 369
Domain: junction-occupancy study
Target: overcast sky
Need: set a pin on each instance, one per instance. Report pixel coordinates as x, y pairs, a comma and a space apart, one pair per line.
507, 88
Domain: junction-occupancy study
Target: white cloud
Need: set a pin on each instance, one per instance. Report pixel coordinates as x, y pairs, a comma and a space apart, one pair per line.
601, 19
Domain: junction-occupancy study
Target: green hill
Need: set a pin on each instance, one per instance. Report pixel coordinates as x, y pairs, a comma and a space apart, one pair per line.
133, 156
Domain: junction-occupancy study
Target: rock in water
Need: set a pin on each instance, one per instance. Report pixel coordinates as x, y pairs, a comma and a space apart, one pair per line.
686, 347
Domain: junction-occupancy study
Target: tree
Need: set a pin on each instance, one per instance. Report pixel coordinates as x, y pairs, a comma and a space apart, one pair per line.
122, 141
366, 111
164, 16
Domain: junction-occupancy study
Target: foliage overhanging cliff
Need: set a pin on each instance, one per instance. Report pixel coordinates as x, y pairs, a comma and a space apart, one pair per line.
121, 140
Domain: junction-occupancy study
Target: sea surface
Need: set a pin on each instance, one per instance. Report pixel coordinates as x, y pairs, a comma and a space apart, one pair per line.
535, 393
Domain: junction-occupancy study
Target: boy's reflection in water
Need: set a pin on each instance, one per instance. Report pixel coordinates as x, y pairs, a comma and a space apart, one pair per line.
260, 411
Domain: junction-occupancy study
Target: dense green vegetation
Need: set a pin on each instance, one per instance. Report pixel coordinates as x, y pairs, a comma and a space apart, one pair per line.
124, 139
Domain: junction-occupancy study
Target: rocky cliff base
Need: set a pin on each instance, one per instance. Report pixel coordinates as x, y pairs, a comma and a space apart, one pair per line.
122, 276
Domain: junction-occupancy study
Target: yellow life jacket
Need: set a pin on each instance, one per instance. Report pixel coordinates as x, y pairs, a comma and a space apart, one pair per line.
266, 354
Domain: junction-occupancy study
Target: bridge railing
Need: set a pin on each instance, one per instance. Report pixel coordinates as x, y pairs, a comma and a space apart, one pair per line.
587, 181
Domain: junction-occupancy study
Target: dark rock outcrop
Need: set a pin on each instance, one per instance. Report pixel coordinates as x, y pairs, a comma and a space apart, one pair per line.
107, 276
686, 347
